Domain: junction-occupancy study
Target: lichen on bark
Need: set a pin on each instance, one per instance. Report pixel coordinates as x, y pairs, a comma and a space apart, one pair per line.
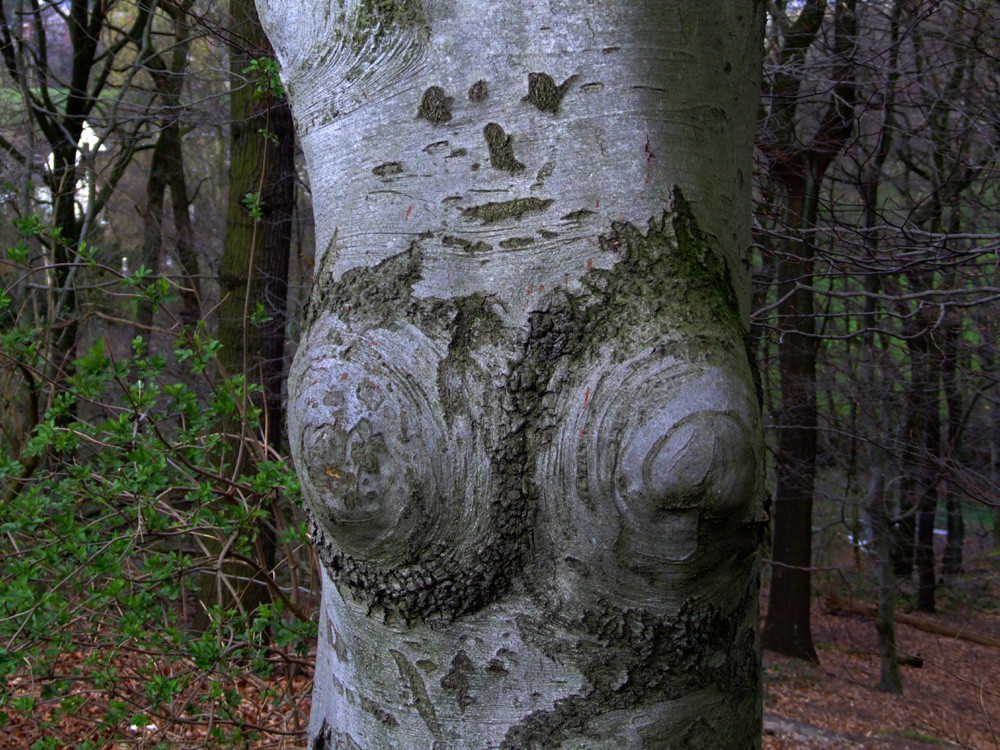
634, 661
375, 19
501, 148
544, 93
435, 106
667, 277
490, 213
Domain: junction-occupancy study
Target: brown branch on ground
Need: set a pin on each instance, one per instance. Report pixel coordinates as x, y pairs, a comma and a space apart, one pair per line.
837, 606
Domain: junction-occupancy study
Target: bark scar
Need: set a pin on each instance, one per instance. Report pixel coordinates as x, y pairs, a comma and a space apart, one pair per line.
457, 680
421, 700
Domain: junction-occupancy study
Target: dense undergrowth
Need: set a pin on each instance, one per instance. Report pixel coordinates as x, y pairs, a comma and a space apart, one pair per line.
157, 584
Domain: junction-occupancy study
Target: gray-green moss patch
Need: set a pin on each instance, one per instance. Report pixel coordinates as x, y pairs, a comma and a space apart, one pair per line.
501, 149
543, 92
513, 243
435, 106
376, 19
468, 245
373, 295
702, 266
633, 660
457, 680
490, 213
388, 169
667, 286
479, 91
418, 692
580, 215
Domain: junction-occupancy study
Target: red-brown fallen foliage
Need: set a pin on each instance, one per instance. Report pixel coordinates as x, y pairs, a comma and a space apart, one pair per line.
266, 714
953, 700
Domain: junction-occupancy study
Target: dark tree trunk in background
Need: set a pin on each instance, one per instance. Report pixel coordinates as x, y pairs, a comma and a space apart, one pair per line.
254, 270
799, 162
951, 563
927, 441
253, 274
166, 169
788, 629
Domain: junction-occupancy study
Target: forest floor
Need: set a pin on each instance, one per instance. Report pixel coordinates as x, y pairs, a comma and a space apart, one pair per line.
952, 700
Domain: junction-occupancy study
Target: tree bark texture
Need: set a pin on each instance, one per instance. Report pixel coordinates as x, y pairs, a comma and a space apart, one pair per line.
524, 411
254, 267
253, 273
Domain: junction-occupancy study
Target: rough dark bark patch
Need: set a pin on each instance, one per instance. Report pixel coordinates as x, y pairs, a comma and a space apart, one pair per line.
501, 149
544, 93
377, 19
457, 680
388, 169
662, 659
479, 91
490, 213
468, 245
435, 106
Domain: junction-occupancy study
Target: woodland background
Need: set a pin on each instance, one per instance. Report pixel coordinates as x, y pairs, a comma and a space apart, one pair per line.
158, 588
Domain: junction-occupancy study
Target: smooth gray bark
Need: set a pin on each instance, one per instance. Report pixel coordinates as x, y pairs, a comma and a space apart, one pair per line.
524, 409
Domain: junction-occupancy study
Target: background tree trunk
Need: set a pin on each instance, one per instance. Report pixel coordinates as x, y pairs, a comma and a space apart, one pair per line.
254, 270
524, 410
253, 277
800, 162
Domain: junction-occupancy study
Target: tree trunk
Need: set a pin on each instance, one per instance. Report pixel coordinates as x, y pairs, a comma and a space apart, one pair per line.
931, 449
904, 531
254, 267
524, 411
799, 163
889, 678
166, 168
152, 229
187, 255
253, 273
924, 437
951, 563
788, 629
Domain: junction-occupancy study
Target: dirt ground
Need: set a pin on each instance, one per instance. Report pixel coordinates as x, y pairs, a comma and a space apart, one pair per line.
953, 700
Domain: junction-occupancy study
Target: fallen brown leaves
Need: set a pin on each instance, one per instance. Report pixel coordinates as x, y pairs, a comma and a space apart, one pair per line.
265, 714
952, 701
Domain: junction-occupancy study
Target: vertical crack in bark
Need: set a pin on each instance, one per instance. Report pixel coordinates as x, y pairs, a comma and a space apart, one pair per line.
409, 674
